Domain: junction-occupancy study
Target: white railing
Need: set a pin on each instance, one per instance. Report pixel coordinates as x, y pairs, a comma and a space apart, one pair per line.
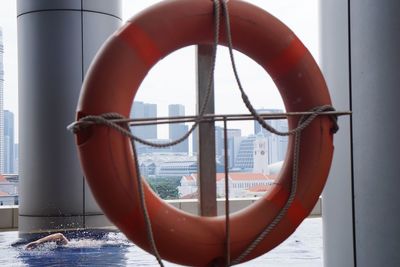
9, 214
8, 217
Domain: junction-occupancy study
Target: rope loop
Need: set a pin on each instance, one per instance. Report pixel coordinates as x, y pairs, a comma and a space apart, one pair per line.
120, 123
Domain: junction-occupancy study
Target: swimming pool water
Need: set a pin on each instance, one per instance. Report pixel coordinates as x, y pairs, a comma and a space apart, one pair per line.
302, 249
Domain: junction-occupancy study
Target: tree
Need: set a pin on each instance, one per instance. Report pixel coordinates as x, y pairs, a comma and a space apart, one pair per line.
165, 187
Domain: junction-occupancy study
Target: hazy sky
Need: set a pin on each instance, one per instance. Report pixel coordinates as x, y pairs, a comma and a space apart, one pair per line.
173, 79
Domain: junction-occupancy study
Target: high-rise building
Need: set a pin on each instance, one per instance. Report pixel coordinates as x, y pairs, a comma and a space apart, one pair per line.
234, 139
260, 157
234, 136
1, 104
8, 142
16, 158
219, 141
144, 110
277, 145
177, 130
274, 123
176, 110
245, 154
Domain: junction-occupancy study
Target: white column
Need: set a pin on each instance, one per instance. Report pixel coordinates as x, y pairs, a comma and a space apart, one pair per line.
56, 43
361, 59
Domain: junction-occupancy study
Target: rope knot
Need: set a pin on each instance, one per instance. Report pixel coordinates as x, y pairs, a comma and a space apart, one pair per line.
108, 119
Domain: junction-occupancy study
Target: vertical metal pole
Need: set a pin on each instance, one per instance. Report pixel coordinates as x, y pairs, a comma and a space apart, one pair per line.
227, 222
206, 136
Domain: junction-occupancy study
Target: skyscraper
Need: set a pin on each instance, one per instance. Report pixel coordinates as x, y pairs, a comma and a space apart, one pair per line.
219, 141
274, 123
234, 136
176, 110
245, 154
144, 110
277, 145
16, 158
177, 130
9, 142
1, 104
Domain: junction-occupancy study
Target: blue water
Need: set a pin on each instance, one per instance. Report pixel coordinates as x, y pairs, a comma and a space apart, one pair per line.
302, 249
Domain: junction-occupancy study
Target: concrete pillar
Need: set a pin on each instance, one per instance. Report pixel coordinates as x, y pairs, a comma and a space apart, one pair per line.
57, 40
360, 60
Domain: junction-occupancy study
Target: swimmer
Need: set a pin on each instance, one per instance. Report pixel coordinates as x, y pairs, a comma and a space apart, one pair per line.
58, 238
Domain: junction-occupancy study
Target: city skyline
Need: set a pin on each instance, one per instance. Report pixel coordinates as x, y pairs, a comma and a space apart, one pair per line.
7, 135
9, 144
244, 152
142, 109
163, 83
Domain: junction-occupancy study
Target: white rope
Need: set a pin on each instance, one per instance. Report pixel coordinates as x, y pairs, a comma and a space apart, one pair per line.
303, 123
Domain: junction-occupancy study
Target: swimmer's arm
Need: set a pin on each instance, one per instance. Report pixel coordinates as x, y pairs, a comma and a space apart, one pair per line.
58, 237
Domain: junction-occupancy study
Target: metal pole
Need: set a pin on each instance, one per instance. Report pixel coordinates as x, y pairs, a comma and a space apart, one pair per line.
230, 117
206, 136
227, 219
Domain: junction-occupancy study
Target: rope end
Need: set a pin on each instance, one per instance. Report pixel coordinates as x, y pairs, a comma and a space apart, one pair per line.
73, 127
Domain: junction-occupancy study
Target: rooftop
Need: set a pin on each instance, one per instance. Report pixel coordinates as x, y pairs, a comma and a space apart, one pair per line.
236, 176
260, 188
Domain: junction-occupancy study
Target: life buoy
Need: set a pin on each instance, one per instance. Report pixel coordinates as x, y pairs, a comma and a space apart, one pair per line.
108, 160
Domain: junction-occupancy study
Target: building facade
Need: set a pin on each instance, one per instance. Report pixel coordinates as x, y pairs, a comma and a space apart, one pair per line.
145, 149
9, 158
239, 184
277, 145
141, 110
260, 162
16, 158
166, 164
245, 154
234, 136
177, 130
176, 168
8, 190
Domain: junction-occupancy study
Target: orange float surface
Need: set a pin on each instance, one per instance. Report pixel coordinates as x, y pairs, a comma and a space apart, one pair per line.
108, 161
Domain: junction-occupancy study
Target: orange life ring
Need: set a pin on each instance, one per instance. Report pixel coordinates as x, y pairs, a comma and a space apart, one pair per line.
107, 158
